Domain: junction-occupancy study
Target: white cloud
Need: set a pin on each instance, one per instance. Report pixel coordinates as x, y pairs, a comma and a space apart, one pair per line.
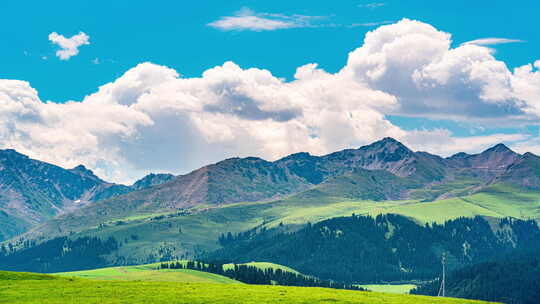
370, 24
526, 86
492, 41
246, 19
532, 146
442, 142
414, 61
69, 47
373, 5
152, 119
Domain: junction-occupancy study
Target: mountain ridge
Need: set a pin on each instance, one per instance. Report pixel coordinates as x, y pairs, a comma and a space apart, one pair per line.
33, 191
383, 170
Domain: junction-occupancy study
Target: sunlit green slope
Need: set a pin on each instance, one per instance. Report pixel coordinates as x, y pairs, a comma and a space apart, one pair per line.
150, 272
30, 288
180, 233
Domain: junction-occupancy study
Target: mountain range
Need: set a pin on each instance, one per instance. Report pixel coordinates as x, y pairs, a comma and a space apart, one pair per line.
378, 213
32, 192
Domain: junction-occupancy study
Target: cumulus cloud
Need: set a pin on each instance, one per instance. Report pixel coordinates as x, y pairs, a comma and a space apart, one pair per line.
69, 47
153, 119
415, 62
492, 41
247, 19
526, 86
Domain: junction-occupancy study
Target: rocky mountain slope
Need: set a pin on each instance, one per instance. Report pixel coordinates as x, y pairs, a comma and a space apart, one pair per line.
524, 172
485, 165
254, 179
383, 170
152, 180
32, 191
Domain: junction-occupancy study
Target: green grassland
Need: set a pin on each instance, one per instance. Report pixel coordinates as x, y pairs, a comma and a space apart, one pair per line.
459, 187
35, 288
149, 272
167, 235
390, 288
153, 272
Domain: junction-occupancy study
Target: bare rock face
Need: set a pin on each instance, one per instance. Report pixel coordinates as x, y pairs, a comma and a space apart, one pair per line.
392, 156
254, 179
495, 158
486, 165
229, 181
152, 180
33, 191
524, 172
387, 154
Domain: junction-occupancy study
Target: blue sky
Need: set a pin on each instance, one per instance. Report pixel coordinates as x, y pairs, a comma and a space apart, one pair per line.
178, 35
175, 34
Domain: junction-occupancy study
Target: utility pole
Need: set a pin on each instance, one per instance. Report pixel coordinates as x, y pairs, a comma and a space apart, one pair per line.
442, 290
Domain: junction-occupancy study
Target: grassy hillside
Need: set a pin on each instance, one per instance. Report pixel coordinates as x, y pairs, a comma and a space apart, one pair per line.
149, 272
27, 289
16, 276
146, 237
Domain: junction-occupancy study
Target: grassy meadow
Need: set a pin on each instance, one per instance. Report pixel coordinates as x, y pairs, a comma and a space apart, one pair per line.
151, 273
34, 288
390, 288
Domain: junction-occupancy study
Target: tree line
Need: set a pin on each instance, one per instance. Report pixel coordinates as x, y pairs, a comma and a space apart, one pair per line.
58, 254
513, 279
253, 275
385, 248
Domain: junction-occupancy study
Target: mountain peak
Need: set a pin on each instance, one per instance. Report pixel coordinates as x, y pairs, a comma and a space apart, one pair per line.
489, 162
12, 153
81, 169
389, 140
499, 148
296, 156
530, 155
459, 155
389, 144
152, 179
